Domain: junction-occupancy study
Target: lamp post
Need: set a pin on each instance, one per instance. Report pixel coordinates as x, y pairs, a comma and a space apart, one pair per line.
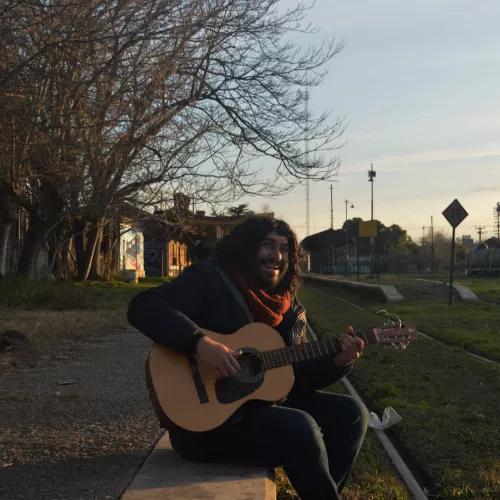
347, 237
371, 178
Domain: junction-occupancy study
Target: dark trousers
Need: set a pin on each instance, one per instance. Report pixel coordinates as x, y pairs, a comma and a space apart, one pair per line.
315, 438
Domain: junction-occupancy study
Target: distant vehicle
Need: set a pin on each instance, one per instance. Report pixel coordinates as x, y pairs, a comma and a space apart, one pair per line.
484, 261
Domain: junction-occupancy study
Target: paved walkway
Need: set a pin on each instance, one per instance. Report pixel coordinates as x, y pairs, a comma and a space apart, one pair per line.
79, 428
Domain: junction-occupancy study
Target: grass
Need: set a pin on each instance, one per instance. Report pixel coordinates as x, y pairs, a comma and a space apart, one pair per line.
373, 476
487, 288
450, 432
473, 327
53, 315
18, 293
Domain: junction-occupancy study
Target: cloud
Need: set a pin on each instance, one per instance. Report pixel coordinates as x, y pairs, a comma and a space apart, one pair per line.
368, 135
399, 162
485, 189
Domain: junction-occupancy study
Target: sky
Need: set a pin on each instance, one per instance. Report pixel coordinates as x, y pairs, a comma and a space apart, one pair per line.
418, 84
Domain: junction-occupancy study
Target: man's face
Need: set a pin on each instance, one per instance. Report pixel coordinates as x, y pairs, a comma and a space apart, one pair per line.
272, 261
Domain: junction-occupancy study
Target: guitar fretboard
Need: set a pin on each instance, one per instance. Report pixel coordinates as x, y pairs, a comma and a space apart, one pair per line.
275, 358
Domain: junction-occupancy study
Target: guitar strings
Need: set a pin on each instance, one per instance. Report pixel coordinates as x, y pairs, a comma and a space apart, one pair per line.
276, 356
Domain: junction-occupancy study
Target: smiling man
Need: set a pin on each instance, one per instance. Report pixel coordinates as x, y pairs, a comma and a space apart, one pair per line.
316, 436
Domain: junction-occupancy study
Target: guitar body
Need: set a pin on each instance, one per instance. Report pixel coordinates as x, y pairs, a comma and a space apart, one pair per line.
179, 396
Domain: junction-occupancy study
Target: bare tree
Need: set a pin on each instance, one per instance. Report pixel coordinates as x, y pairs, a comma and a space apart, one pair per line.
147, 96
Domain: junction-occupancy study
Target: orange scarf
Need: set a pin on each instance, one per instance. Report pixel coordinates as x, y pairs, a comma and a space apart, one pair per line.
266, 308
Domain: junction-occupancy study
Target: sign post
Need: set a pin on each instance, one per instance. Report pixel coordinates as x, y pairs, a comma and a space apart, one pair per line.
455, 214
369, 229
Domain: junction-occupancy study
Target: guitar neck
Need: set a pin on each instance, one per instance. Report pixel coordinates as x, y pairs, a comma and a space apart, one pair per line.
275, 358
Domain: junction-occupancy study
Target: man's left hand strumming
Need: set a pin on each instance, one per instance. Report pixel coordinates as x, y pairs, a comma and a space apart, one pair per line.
352, 348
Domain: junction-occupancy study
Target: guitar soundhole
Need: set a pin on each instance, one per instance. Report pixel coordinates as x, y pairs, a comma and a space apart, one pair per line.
247, 380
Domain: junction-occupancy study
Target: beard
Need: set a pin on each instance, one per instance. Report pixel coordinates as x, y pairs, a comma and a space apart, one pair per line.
268, 274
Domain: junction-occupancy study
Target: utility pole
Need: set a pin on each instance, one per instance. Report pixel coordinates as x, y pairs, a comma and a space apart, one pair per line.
371, 176
432, 243
423, 243
347, 238
307, 160
496, 218
331, 227
331, 206
480, 231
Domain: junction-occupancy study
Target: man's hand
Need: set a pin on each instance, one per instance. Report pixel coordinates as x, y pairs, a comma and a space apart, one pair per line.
218, 357
352, 348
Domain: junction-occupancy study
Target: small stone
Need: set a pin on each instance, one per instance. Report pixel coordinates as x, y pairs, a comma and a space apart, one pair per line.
66, 382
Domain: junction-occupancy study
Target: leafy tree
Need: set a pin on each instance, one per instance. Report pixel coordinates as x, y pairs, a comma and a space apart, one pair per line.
492, 242
239, 210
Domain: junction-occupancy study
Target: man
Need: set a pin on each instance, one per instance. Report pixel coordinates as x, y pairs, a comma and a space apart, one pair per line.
315, 436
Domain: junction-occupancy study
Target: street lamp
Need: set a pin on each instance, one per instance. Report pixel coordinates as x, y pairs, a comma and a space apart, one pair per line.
371, 178
347, 237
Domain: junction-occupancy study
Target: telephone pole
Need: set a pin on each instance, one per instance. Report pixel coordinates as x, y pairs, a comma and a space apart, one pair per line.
347, 238
480, 231
424, 251
496, 218
432, 243
307, 160
331, 206
371, 178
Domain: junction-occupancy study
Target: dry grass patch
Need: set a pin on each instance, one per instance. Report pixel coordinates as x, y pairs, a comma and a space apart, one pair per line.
50, 334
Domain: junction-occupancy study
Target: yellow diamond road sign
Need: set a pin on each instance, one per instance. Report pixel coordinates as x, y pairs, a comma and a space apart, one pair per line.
455, 213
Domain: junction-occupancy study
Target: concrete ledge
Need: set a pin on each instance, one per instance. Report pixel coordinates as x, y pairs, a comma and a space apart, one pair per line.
465, 293
387, 293
167, 476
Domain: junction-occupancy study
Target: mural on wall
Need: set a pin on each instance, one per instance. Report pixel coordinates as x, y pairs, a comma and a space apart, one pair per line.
131, 250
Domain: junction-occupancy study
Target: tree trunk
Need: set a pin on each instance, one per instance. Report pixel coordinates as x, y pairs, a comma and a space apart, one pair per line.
79, 231
65, 259
8, 215
85, 259
33, 241
94, 270
4, 245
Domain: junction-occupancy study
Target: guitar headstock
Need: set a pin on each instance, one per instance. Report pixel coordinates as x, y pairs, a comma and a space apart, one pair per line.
398, 334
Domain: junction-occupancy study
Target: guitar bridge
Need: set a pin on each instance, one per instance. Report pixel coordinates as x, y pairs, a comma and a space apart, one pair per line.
198, 380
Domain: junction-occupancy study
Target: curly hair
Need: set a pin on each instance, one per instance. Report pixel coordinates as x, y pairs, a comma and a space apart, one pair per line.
240, 247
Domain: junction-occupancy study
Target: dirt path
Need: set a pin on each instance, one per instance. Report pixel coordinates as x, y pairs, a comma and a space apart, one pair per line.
78, 429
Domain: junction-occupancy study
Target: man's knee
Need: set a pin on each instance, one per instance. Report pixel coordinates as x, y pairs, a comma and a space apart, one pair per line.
348, 411
360, 413
303, 434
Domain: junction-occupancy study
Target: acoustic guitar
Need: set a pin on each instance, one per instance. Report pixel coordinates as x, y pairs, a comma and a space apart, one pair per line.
193, 397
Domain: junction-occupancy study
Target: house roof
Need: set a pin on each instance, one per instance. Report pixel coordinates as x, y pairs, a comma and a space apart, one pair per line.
335, 237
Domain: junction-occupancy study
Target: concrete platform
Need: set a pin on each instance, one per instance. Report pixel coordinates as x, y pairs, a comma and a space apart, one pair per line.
167, 476
387, 293
465, 293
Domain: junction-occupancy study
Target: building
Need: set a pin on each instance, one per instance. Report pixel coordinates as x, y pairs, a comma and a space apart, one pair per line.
467, 240
175, 238
326, 251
